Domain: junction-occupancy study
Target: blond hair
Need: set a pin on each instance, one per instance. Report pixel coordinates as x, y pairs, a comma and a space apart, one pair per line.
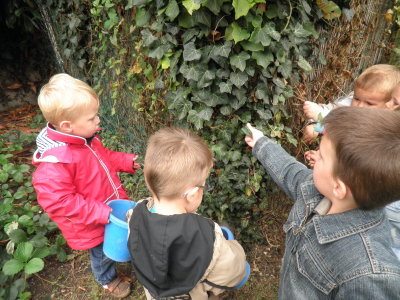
64, 98
367, 154
379, 78
176, 159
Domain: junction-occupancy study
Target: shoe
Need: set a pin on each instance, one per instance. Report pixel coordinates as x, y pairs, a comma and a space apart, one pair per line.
118, 288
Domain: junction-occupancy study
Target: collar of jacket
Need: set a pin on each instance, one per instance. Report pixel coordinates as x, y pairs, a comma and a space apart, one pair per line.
64, 137
334, 227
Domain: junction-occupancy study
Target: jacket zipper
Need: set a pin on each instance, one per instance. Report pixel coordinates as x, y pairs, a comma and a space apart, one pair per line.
105, 169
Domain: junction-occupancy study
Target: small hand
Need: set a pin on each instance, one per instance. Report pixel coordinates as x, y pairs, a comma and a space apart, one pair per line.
311, 157
311, 110
136, 165
309, 134
256, 134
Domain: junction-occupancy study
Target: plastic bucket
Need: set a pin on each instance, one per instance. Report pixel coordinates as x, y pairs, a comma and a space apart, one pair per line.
115, 244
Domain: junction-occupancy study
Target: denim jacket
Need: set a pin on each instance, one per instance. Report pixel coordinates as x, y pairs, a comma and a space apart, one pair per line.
336, 256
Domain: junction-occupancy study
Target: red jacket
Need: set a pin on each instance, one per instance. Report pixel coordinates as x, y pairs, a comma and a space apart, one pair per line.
74, 180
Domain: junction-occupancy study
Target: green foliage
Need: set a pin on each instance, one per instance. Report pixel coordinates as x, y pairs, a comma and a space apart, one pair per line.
25, 228
232, 64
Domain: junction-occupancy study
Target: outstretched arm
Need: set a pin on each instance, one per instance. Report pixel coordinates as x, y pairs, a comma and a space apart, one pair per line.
284, 169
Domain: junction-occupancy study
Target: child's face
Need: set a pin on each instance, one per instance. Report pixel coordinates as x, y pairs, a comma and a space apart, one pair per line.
394, 102
87, 124
368, 99
323, 168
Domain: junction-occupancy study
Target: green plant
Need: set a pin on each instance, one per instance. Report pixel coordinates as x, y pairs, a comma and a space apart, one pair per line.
24, 238
225, 63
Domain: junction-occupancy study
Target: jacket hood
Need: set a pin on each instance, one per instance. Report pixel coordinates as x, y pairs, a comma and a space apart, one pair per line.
51, 145
170, 254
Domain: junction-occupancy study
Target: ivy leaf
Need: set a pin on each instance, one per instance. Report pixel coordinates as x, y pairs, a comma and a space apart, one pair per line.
272, 11
306, 6
236, 33
159, 52
183, 108
223, 49
238, 79
206, 79
194, 118
304, 64
206, 113
310, 28
260, 35
225, 110
186, 20
214, 5
12, 267
202, 17
188, 35
330, 9
190, 6
190, 72
250, 46
263, 59
148, 38
142, 17
261, 92
270, 30
190, 52
225, 87
239, 61
265, 114
285, 69
242, 7
34, 265
299, 31
172, 10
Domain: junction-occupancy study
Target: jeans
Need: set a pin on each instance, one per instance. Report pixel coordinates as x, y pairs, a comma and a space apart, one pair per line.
103, 268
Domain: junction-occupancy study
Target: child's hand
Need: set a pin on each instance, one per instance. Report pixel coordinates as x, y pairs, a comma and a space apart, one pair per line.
309, 134
256, 134
311, 110
311, 156
136, 165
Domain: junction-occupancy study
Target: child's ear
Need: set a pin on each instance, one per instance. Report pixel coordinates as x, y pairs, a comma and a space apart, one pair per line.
340, 189
191, 195
66, 126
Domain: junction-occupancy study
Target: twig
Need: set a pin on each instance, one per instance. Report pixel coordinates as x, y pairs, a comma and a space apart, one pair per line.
53, 282
288, 18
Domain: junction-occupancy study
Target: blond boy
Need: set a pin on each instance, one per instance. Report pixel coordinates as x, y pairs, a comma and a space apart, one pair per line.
372, 89
337, 234
76, 175
175, 252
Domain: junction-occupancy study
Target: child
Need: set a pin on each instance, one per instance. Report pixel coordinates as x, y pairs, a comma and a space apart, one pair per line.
76, 175
175, 252
337, 234
372, 89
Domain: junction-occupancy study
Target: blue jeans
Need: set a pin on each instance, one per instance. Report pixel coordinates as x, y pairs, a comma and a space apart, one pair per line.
103, 268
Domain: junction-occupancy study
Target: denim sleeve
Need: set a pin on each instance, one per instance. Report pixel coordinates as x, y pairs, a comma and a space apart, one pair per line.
371, 287
284, 169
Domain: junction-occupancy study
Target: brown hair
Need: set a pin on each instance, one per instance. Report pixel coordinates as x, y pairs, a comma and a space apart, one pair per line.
367, 146
64, 98
380, 78
176, 159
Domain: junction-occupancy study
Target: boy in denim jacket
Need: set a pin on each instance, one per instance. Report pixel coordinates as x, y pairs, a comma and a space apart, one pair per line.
337, 234
176, 253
